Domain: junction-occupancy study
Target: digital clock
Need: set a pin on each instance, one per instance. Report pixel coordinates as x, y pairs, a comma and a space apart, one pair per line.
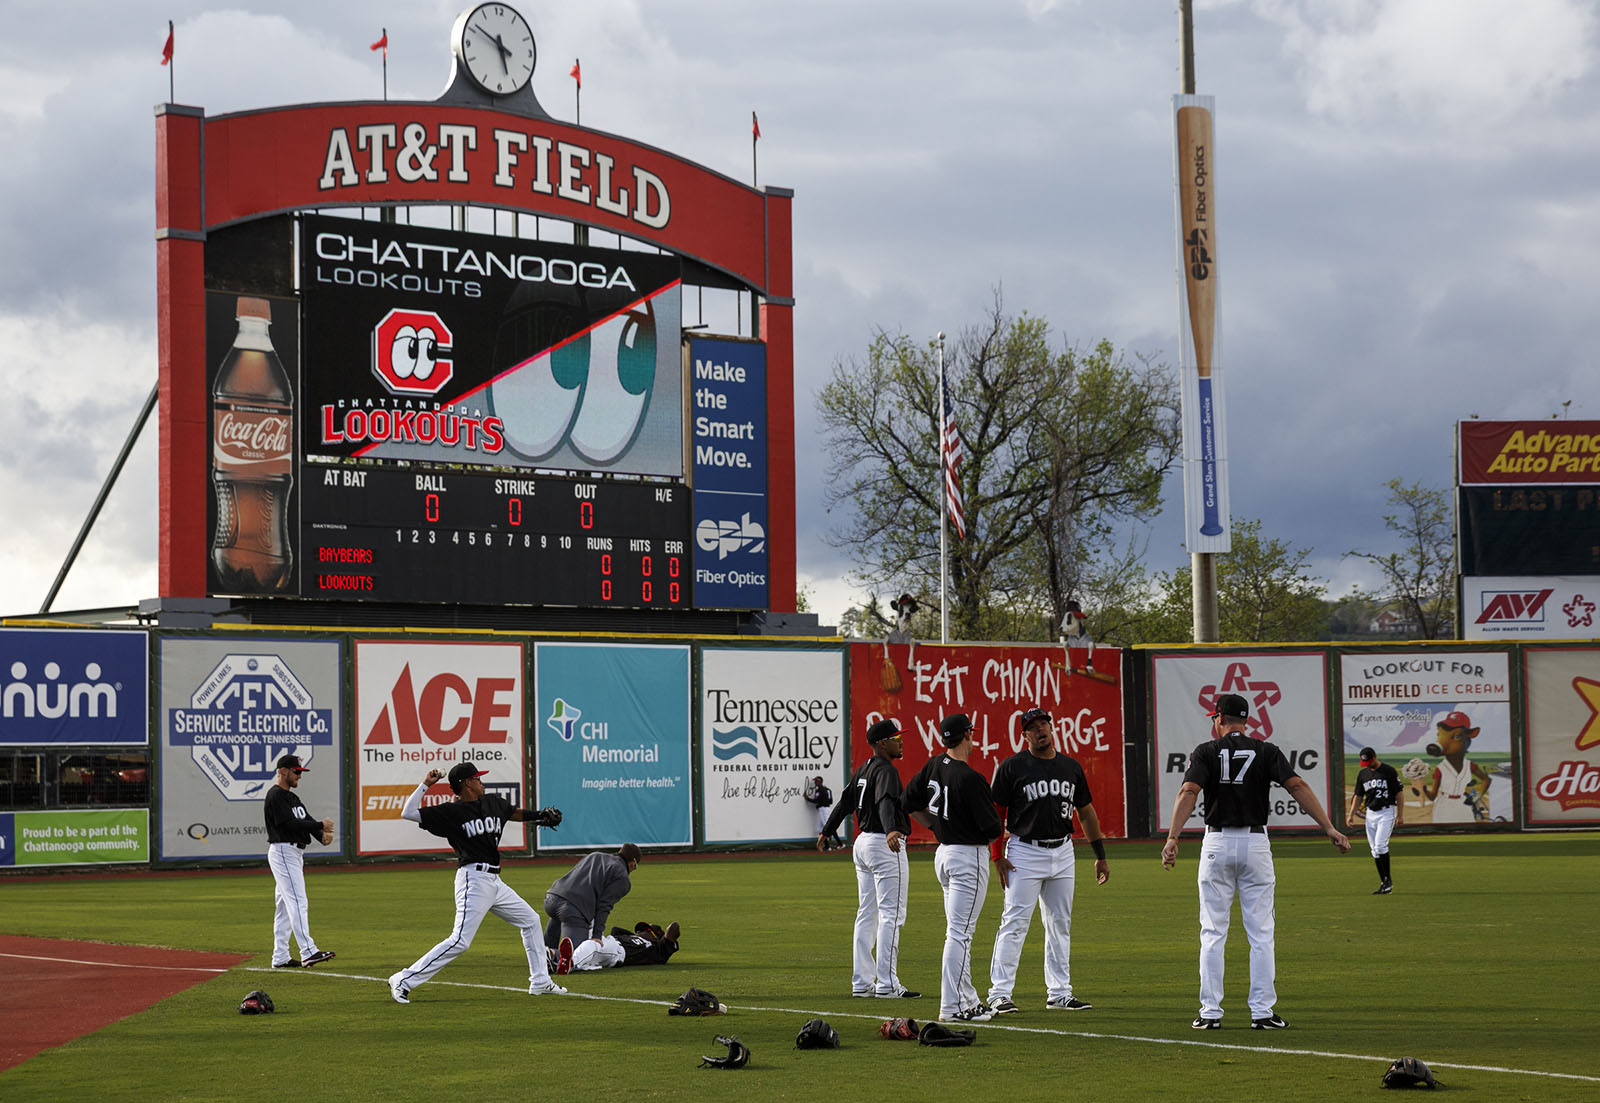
394, 534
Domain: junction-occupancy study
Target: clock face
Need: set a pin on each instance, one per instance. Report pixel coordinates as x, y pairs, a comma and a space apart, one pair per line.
495, 46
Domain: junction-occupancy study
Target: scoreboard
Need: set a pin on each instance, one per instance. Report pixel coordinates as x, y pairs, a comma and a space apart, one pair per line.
389, 534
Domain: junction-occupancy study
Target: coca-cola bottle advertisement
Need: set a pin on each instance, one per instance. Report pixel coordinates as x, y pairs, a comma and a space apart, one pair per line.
253, 343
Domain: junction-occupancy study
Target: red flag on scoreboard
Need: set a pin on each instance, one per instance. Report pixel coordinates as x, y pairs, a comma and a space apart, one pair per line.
382, 43
166, 51
755, 125
577, 73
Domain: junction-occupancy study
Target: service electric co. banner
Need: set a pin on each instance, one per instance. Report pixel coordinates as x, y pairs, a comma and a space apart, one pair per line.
771, 722
1288, 697
918, 685
229, 709
428, 706
613, 744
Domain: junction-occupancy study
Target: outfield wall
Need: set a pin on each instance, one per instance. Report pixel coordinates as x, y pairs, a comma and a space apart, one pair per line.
155, 747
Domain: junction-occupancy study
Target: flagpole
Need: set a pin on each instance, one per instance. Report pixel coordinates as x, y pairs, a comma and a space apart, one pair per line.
755, 136
944, 562
385, 64
172, 95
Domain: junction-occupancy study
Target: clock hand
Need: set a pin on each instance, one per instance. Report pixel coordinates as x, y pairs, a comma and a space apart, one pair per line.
499, 45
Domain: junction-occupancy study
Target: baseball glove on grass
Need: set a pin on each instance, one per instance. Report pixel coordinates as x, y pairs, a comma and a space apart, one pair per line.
696, 1001
900, 1030
256, 1003
936, 1034
738, 1055
1408, 1072
817, 1034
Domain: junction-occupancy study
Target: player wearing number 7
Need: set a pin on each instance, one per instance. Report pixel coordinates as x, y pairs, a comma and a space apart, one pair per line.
1236, 772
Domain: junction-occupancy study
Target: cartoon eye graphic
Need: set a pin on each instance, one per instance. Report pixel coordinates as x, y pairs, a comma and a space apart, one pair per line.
538, 398
622, 373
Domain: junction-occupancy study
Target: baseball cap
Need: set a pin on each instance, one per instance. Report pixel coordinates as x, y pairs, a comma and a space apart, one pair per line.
1231, 704
883, 729
954, 728
291, 762
1031, 715
1368, 754
461, 771
1455, 720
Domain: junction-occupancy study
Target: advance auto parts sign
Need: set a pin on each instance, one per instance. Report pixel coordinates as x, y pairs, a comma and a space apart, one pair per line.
426, 706
424, 344
229, 709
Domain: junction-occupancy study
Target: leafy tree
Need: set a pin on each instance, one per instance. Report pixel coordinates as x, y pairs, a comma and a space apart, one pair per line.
1419, 579
1057, 443
1264, 594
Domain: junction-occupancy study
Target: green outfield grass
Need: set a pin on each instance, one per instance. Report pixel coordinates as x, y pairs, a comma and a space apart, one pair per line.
1484, 956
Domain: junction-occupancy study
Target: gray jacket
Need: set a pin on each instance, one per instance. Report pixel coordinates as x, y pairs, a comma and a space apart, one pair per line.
593, 887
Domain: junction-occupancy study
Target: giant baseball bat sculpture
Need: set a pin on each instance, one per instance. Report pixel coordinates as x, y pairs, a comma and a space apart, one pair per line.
1195, 195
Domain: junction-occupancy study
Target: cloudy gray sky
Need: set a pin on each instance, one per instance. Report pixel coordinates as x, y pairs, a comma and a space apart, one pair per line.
1408, 198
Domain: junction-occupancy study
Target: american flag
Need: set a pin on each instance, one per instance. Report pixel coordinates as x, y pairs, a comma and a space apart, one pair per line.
950, 453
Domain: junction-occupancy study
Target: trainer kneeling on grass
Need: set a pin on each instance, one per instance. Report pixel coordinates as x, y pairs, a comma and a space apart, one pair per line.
472, 824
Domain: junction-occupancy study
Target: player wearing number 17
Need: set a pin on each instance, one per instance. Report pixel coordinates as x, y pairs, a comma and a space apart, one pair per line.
1236, 772
952, 798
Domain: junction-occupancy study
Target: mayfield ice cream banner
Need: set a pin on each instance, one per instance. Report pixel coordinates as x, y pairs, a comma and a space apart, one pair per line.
1287, 692
994, 684
1563, 736
423, 706
1440, 718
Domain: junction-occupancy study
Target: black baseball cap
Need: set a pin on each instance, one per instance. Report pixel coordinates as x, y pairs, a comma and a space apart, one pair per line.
954, 728
883, 729
461, 771
291, 762
1231, 705
1031, 715
1368, 754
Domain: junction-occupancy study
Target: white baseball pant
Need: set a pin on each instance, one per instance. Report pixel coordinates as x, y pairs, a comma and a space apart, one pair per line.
882, 878
605, 954
290, 908
963, 872
1045, 877
1237, 860
1380, 825
479, 892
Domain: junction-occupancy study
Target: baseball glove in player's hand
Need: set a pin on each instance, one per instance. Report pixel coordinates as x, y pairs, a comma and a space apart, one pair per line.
817, 1034
1408, 1072
548, 817
738, 1054
256, 1003
900, 1030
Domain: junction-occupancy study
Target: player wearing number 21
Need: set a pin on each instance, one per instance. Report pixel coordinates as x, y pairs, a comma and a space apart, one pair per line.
1236, 773
952, 798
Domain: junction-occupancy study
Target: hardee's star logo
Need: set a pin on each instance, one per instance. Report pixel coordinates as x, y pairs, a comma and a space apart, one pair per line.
1589, 690
1580, 613
1262, 694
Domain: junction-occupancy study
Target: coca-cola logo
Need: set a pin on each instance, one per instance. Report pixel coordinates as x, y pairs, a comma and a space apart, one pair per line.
266, 436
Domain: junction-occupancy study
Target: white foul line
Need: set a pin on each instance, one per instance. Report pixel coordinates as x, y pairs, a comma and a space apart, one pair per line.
121, 965
997, 1026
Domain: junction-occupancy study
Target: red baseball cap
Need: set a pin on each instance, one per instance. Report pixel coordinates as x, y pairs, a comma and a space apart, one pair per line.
1455, 720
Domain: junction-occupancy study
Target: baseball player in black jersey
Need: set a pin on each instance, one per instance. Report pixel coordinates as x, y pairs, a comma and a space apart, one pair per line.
472, 824
1378, 795
1236, 772
1040, 788
952, 798
646, 944
882, 871
290, 829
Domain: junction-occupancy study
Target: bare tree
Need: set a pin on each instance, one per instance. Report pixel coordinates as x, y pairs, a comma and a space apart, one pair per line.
1419, 579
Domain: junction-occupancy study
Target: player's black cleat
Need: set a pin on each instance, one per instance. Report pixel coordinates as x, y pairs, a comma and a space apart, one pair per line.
903, 994
318, 958
1207, 1024
1004, 1006
292, 963
1384, 889
1067, 1003
1271, 1022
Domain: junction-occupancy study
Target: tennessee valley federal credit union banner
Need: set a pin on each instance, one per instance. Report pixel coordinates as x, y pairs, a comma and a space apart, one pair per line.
613, 744
1288, 698
229, 709
1563, 734
427, 706
770, 721
64, 688
995, 684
